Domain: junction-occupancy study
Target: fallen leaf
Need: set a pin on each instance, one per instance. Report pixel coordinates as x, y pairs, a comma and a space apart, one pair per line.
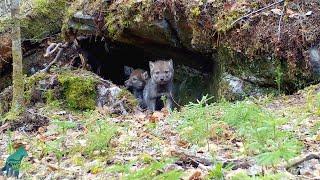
318, 137
41, 130
277, 11
194, 174
183, 144
156, 116
309, 13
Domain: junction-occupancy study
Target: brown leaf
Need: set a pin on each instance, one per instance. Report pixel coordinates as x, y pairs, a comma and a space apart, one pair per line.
156, 116
183, 144
52, 167
41, 130
318, 137
196, 175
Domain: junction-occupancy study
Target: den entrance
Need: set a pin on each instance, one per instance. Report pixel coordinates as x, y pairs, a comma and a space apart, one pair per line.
194, 73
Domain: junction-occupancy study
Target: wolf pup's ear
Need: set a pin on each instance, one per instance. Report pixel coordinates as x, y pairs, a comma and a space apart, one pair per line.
171, 63
127, 70
151, 65
145, 76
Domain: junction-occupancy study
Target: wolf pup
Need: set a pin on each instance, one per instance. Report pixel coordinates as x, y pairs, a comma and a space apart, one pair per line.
136, 82
160, 84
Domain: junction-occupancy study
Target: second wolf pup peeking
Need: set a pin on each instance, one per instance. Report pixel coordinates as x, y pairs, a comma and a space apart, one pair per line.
160, 84
136, 82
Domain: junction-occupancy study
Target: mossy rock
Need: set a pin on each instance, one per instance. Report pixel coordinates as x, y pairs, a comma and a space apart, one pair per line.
79, 92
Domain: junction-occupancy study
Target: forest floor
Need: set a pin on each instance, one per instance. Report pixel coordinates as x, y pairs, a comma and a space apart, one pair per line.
264, 138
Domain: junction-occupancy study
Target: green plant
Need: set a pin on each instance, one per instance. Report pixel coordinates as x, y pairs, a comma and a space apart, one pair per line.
64, 125
99, 137
244, 176
258, 128
121, 168
261, 134
153, 170
54, 147
316, 128
279, 77
194, 120
218, 172
49, 96
10, 148
317, 104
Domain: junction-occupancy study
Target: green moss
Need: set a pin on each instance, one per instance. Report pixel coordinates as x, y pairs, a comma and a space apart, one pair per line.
121, 15
195, 11
224, 23
49, 96
79, 92
131, 101
46, 18
31, 83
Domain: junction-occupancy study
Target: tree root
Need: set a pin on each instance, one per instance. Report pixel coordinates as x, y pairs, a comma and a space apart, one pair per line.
300, 160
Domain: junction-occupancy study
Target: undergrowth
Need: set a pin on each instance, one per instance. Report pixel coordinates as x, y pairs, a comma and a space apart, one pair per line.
257, 128
152, 170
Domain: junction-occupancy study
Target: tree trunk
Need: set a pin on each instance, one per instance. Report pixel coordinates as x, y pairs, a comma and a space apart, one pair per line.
17, 74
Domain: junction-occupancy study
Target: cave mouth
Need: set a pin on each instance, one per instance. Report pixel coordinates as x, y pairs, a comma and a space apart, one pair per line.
194, 73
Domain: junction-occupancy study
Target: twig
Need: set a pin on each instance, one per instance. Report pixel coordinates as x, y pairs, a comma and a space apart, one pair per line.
54, 60
174, 100
4, 127
51, 49
259, 10
58, 46
280, 20
298, 161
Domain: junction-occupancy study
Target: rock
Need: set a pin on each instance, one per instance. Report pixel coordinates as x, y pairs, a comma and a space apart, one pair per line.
237, 88
235, 84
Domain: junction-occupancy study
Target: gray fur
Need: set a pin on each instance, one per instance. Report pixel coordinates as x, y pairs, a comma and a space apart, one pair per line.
160, 84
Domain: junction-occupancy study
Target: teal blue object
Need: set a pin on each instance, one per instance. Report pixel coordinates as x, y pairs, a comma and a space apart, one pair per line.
13, 162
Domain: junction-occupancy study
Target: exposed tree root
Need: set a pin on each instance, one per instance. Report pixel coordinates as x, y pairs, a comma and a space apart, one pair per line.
300, 160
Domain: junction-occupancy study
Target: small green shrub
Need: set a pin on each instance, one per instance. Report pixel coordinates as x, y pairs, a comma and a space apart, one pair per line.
194, 121
55, 147
279, 77
63, 126
99, 137
153, 170
216, 172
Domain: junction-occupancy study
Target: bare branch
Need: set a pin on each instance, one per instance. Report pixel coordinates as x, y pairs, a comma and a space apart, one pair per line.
54, 60
259, 10
280, 21
300, 160
51, 49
